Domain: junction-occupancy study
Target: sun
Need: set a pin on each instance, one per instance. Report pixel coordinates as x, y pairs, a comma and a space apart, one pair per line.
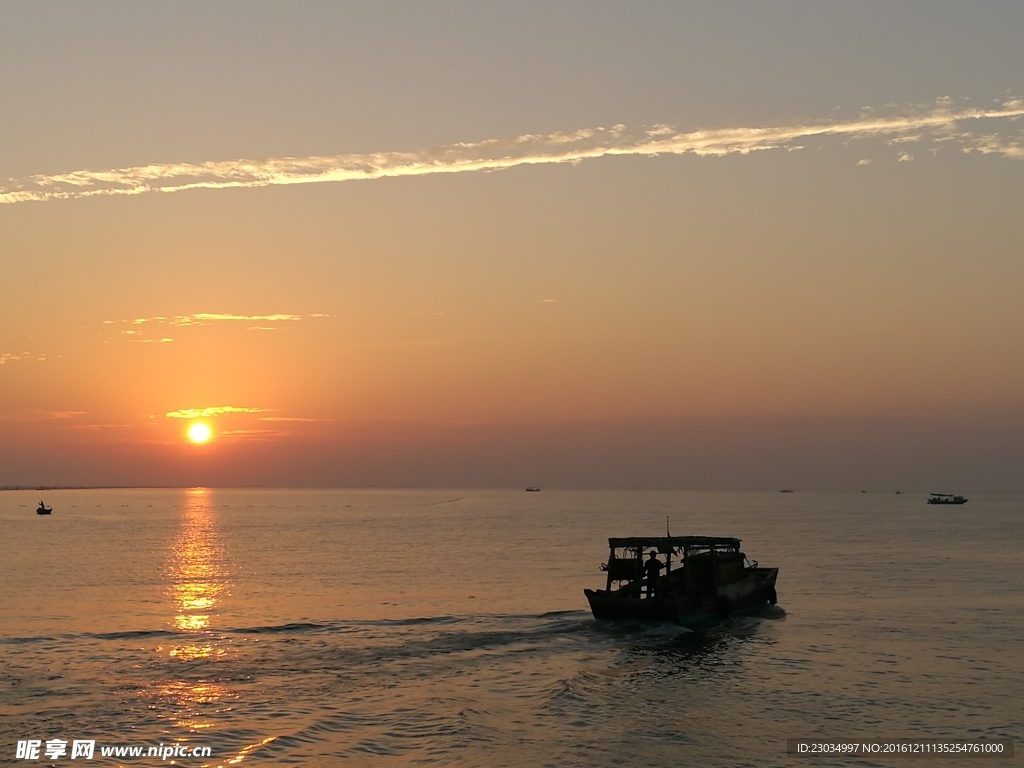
199, 432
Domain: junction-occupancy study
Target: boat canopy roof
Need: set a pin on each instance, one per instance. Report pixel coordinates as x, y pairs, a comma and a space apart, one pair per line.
675, 542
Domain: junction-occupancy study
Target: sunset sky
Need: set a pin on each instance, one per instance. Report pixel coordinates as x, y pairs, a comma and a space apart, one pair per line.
733, 245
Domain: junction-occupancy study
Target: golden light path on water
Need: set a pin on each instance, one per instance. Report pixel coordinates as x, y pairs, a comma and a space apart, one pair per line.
197, 570
198, 579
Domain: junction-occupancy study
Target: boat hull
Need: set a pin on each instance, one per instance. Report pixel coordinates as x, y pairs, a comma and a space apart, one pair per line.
751, 593
614, 606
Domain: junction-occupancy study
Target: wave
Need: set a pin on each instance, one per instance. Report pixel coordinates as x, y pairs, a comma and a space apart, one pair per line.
297, 627
125, 635
444, 633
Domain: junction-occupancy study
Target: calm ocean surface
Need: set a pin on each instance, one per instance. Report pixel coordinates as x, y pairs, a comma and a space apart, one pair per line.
449, 627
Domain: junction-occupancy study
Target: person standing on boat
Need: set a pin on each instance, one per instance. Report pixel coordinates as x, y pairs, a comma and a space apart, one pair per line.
652, 569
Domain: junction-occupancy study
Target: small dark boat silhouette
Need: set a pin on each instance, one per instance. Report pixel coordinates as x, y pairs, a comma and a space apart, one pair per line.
946, 498
44, 510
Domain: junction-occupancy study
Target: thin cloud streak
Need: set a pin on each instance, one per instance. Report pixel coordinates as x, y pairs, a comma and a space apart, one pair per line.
11, 357
205, 318
296, 418
940, 121
136, 330
40, 415
216, 410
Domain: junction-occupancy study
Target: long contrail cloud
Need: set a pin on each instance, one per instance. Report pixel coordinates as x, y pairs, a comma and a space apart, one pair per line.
941, 121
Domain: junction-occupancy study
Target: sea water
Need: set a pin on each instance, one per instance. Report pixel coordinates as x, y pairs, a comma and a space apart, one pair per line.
449, 628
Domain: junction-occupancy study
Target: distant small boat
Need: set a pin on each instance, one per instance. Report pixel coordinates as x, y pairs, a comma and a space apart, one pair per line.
532, 489
786, 490
946, 498
44, 510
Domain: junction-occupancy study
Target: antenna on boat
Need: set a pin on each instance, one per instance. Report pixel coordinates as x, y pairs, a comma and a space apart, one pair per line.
666, 527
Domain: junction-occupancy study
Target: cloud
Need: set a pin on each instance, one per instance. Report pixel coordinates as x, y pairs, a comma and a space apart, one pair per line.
40, 415
216, 410
941, 120
10, 357
995, 145
207, 318
249, 433
136, 328
294, 418
101, 427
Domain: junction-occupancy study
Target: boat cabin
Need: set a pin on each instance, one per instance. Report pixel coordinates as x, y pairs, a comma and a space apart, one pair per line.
692, 564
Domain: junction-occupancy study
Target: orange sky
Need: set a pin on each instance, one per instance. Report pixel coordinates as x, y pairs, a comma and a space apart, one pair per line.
727, 291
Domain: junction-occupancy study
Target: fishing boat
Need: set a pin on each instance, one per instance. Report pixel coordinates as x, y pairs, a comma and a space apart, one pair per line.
42, 509
946, 498
705, 579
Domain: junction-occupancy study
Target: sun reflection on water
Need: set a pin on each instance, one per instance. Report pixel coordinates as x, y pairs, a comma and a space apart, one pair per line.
197, 570
198, 581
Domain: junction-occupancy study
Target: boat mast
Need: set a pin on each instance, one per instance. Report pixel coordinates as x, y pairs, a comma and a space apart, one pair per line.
611, 563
